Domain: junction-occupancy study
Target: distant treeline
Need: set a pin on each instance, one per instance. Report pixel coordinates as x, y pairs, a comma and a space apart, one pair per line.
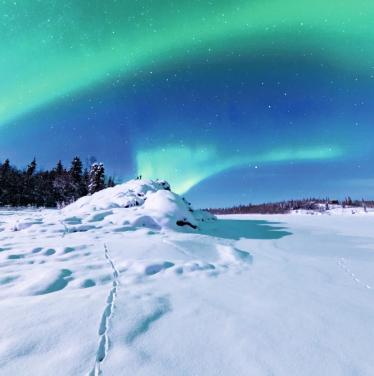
50, 188
283, 207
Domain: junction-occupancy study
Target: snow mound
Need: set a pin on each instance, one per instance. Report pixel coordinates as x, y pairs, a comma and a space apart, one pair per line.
137, 203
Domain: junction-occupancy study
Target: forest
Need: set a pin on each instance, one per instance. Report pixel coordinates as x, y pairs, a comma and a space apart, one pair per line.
282, 207
50, 188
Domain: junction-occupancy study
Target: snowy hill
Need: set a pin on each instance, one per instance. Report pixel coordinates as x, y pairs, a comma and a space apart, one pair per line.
132, 280
148, 204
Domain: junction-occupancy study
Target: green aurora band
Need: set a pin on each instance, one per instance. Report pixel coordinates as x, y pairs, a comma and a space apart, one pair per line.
186, 166
50, 49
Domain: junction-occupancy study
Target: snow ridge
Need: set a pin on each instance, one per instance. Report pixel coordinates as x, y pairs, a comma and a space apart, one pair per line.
103, 347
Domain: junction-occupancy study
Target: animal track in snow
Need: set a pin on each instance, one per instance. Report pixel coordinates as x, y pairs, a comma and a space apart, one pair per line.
343, 264
103, 347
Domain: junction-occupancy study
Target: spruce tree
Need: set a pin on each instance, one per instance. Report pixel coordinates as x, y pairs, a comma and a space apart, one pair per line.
60, 185
31, 168
28, 195
78, 185
4, 182
96, 178
59, 169
4, 168
76, 169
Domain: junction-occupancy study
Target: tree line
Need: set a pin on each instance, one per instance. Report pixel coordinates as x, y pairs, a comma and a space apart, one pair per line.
50, 188
283, 207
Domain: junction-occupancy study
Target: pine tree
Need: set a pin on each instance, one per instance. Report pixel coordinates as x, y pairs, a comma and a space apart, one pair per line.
78, 185
4, 182
4, 168
28, 193
59, 169
96, 178
31, 168
11, 185
76, 169
60, 185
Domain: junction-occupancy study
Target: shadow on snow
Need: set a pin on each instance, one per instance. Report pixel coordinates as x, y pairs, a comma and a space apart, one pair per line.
250, 229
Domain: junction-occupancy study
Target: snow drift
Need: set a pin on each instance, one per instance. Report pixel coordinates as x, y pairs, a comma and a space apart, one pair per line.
137, 203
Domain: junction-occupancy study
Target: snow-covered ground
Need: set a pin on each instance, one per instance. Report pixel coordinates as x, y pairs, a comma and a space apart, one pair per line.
97, 288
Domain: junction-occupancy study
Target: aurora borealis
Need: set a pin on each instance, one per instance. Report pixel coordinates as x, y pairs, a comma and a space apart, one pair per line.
231, 101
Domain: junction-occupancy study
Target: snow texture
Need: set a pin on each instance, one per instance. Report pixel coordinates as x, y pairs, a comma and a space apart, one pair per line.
111, 285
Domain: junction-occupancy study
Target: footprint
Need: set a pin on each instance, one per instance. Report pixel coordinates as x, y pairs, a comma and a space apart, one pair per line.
104, 319
100, 216
59, 283
69, 249
37, 250
191, 267
73, 221
81, 228
49, 252
102, 350
156, 268
15, 257
88, 283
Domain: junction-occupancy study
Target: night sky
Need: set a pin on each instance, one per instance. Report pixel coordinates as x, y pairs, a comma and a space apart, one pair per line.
230, 101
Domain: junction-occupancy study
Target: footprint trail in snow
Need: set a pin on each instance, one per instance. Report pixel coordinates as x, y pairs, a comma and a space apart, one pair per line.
103, 347
343, 264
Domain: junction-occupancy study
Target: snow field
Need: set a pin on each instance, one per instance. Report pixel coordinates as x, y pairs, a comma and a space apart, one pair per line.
107, 288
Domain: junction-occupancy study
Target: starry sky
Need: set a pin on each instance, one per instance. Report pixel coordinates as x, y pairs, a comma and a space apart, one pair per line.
230, 101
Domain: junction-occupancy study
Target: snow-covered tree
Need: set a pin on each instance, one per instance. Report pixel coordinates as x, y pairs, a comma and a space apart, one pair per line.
96, 180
